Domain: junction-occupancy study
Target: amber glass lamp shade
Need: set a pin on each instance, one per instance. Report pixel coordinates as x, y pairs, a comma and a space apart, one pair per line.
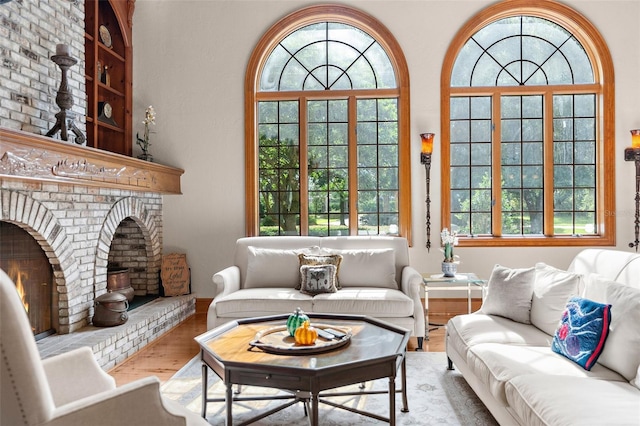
635, 139
427, 142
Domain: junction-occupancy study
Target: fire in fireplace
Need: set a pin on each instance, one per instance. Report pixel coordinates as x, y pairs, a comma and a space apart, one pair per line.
22, 258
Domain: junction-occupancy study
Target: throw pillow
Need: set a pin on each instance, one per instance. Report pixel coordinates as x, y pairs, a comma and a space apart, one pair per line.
318, 259
583, 331
509, 293
316, 279
268, 268
551, 290
622, 353
367, 268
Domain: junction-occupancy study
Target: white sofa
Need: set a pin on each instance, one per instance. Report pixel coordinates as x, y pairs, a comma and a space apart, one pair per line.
510, 364
375, 278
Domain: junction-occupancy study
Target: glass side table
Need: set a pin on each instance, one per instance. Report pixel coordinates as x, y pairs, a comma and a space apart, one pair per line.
467, 282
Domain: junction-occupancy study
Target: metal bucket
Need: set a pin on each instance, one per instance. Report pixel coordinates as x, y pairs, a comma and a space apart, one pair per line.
110, 310
118, 281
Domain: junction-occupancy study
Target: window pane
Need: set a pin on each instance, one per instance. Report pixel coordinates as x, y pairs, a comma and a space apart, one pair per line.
278, 165
481, 154
481, 108
481, 131
480, 178
460, 155
481, 201
328, 166
459, 108
388, 156
459, 177
388, 178
388, 133
325, 56
574, 156
368, 178
460, 131
521, 50
460, 201
338, 157
367, 132
367, 155
481, 223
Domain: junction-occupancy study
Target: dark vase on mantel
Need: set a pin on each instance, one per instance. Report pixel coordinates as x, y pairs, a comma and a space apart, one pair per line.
146, 157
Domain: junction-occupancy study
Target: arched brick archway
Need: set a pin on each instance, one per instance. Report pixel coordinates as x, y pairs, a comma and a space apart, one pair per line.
35, 218
134, 208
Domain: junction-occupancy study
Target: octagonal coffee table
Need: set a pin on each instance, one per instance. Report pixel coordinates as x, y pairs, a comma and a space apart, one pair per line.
374, 349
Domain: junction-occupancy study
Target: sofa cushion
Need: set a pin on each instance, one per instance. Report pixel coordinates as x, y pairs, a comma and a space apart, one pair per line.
622, 350
367, 267
542, 400
375, 302
465, 331
583, 331
272, 268
495, 364
318, 279
254, 302
551, 290
321, 259
509, 293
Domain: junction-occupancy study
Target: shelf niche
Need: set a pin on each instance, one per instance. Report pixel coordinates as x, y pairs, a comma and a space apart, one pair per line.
108, 28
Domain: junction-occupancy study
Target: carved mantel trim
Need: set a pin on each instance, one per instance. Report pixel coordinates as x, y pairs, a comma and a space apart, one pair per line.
31, 157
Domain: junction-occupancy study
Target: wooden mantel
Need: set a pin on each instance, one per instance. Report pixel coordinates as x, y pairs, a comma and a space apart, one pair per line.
30, 157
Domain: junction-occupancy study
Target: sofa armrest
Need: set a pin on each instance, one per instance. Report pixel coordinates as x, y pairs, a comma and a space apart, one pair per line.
227, 281
74, 375
411, 284
138, 402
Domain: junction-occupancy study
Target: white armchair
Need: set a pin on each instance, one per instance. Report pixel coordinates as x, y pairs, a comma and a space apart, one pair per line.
69, 389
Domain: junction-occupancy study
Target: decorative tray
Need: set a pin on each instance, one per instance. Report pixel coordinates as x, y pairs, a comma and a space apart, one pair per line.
277, 340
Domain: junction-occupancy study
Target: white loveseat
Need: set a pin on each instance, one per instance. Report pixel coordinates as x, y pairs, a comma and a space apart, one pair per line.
510, 364
374, 274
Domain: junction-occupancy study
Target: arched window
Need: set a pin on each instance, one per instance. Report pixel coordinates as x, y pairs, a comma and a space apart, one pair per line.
527, 129
327, 150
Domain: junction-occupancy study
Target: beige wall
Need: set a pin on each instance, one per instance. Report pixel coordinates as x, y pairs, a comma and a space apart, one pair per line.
189, 63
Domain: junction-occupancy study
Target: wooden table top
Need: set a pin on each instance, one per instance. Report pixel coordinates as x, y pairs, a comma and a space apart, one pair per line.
370, 341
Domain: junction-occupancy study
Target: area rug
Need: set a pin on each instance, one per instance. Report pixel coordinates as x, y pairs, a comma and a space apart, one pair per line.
437, 396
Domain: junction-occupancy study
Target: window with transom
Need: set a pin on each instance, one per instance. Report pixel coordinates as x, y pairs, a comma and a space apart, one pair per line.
528, 130
326, 145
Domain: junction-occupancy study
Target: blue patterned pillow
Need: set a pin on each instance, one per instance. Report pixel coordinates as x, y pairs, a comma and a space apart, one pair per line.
582, 332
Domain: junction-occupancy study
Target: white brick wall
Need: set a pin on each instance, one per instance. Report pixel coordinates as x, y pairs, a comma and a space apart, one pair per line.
29, 80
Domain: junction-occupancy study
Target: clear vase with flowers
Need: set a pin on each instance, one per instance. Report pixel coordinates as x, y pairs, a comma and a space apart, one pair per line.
143, 142
450, 263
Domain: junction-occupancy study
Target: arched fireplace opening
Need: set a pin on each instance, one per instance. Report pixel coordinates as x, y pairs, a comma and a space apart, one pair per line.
128, 260
28, 266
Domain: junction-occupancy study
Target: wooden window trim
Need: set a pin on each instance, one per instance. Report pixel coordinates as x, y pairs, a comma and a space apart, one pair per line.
600, 57
298, 19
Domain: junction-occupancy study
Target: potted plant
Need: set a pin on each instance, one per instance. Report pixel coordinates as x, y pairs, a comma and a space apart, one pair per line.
143, 142
450, 263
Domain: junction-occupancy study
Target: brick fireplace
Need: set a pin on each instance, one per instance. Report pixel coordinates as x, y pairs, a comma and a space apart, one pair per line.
88, 210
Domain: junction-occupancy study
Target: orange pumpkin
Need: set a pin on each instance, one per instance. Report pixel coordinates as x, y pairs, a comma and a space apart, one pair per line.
306, 335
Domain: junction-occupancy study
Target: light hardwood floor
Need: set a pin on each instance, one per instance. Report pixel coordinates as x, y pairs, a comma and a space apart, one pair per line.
165, 356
